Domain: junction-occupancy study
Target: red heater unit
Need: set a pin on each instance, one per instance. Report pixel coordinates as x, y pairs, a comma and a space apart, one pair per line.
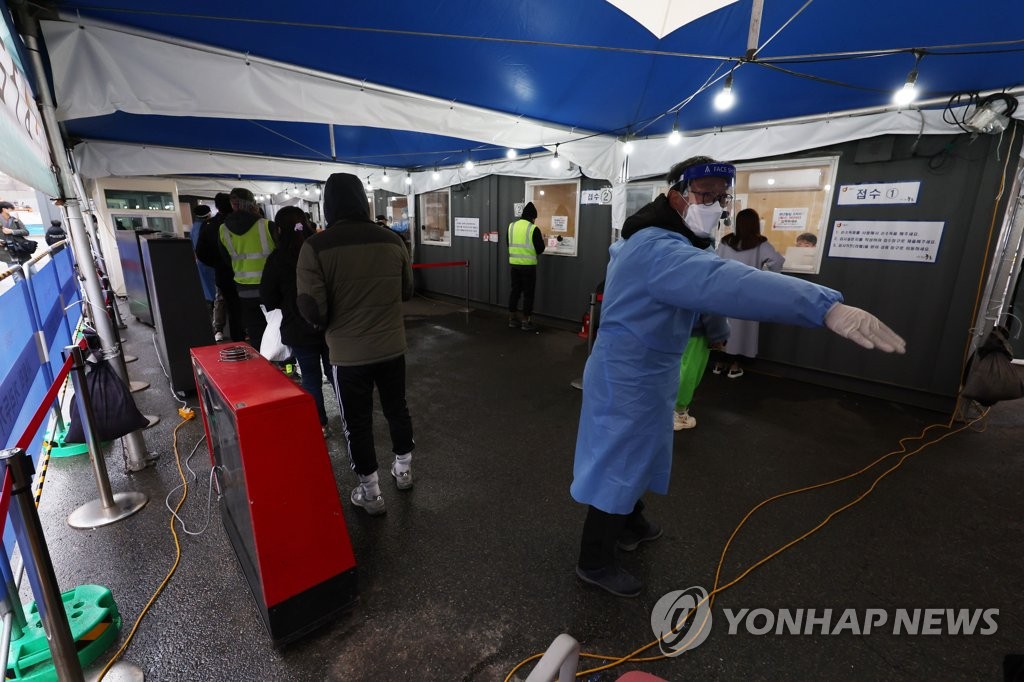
279, 499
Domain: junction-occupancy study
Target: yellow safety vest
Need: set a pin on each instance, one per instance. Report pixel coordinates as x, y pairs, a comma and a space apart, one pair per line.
520, 243
248, 251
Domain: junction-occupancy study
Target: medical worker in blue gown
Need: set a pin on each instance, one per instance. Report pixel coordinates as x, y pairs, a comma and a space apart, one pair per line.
659, 278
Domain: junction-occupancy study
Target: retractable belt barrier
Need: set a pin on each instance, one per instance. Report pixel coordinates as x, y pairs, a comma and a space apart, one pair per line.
451, 264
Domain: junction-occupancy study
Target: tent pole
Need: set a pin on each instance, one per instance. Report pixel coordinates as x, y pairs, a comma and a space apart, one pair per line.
330, 130
754, 34
92, 292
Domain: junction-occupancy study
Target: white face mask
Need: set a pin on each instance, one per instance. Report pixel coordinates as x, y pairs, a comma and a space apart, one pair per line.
702, 220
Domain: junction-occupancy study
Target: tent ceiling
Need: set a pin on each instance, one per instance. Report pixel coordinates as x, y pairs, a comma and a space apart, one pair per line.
572, 65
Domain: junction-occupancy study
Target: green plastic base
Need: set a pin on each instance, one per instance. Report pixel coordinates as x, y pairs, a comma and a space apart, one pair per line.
94, 621
58, 448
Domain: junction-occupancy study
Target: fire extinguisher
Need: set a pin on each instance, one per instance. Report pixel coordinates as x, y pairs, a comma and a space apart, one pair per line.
585, 331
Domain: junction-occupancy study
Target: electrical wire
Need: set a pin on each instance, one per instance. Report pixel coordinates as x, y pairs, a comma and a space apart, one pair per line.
174, 566
988, 244
209, 494
184, 404
717, 588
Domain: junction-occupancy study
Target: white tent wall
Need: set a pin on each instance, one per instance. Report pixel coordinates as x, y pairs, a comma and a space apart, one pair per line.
147, 74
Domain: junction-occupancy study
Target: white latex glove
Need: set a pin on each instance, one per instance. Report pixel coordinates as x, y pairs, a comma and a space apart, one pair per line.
863, 328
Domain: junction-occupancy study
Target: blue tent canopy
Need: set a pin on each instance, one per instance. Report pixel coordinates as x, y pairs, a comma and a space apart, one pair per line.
584, 65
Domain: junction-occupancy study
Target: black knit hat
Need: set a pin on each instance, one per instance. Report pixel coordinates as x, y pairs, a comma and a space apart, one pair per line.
529, 212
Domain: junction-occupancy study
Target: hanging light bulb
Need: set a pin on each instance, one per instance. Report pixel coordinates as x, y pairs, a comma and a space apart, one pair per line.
675, 137
287, 194
408, 179
317, 190
511, 154
725, 98
305, 192
627, 148
435, 175
908, 93
369, 185
469, 163
384, 178
555, 161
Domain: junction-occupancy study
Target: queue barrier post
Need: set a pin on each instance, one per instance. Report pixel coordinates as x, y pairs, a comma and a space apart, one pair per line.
29, 531
108, 508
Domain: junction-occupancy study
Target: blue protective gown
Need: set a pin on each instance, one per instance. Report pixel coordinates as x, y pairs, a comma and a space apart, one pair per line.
656, 284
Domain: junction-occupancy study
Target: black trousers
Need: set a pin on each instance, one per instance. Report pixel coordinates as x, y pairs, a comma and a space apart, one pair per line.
355, 396
602, 530
253, 319
524, 282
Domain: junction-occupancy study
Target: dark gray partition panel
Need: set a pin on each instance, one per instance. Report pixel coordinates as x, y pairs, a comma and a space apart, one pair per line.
563, 283
929, 304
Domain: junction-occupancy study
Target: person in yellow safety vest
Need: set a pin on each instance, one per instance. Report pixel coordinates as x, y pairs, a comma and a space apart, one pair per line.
525, 243
245, 243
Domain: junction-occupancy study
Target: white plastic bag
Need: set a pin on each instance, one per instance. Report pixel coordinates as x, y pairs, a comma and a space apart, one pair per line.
271, 346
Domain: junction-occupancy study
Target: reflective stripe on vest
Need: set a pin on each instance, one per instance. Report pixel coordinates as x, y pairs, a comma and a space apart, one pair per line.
248, 251
520, 243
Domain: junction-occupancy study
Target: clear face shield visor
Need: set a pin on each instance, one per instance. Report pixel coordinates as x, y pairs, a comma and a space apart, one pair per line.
725, 200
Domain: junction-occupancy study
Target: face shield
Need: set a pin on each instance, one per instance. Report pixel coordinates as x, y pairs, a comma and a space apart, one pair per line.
704, 201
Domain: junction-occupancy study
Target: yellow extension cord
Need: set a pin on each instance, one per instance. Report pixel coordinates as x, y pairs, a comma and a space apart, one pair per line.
717, 588
174, 567
616, 660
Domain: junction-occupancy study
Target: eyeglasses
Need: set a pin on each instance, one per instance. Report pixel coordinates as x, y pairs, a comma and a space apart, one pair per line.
711, 198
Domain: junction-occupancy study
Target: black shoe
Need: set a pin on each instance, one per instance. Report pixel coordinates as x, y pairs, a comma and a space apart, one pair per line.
630, 540
612, 579
528, 326
513, 321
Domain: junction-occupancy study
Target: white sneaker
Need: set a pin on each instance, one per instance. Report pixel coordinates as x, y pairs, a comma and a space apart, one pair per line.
683, 420
218, 337
403, 479
373, 506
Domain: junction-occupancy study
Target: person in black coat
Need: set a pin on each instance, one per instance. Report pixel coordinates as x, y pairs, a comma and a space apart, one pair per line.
208, 252
290, 229
55, 233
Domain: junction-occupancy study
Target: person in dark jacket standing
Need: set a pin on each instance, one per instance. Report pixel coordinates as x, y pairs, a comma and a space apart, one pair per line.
352, 279
14, 233
208, 252
54, 233
525, 243
277, 290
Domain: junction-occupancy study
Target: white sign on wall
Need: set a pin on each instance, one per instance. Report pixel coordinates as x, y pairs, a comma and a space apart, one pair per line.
517, 208
790, 218
467, 227
879, 193
903, 240
559, 223
596, 196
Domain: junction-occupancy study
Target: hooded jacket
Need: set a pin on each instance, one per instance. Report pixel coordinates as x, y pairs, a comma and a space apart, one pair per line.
208, 247
352, 279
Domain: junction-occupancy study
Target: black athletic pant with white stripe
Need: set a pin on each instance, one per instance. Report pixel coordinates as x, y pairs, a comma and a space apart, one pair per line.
355, 396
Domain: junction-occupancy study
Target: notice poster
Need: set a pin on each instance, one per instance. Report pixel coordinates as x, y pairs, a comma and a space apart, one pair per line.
559, 223
517, 208
905, 240
467, 227
790, 218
